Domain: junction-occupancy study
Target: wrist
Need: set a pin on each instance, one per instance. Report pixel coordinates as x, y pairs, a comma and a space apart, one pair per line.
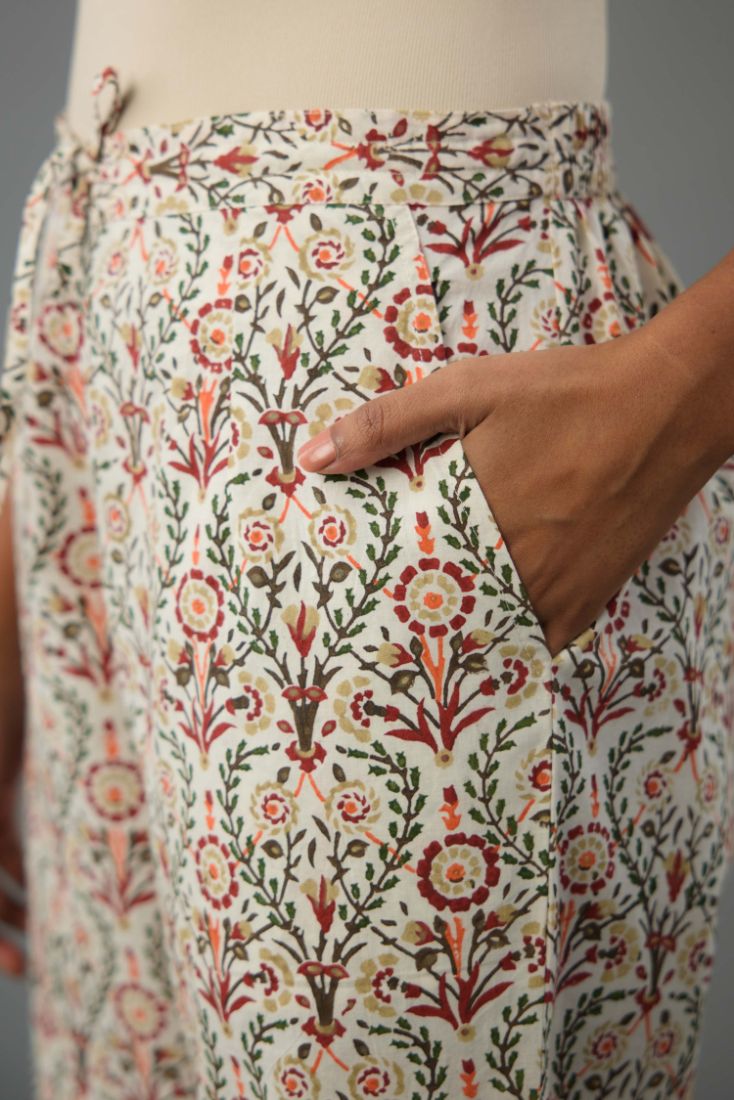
696, 387
692, 340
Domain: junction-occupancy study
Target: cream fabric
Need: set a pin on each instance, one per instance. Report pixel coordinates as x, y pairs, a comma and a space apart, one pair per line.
187, 59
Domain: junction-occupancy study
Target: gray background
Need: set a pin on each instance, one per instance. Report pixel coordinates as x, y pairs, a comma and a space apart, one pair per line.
670, 86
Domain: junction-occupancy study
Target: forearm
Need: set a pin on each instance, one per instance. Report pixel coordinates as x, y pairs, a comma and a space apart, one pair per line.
11, 684
693, 337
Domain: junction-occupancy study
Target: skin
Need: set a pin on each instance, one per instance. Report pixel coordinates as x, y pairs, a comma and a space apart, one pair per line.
12, 911
587, 454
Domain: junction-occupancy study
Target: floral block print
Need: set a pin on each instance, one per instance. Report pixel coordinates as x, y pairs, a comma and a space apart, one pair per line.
312, 812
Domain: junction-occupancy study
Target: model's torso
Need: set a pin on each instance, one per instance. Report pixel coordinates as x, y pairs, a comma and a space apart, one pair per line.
186, 59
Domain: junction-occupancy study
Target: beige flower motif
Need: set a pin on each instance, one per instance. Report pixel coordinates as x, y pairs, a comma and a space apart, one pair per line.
116, 517
662, 677
253, 262
388, 654
140, 1011
415, 323
474, 271
163, 260
230, 221
115, 789
667, 1040
277, 991
256, 707
244, 929
332, 531
273, 808
294, 1080
377, 984
166, 782
418, 192
131, 335
416, 933
500, 152
352, 807
544, 321
694, 957
318, 124
622, 951
80, 557
245, 159
60, 328
326, 255
317, 188
533, 777
370, 378
116, 261
524, 671
242, 434
157, 413
173, 204
302, 618
655, 785
327, 412
444, 758
312, 889
178, 387
585, 638
708, 788
352, 697
534, 949
607, 323
606, 1045
720, 535
259, 535
215, 334
552, 179
372, 1076
507, 911
552, 248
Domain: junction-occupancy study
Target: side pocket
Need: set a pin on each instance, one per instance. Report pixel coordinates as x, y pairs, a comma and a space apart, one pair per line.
459, 487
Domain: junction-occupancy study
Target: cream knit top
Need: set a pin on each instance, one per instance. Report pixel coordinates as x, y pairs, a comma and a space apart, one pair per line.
189, 58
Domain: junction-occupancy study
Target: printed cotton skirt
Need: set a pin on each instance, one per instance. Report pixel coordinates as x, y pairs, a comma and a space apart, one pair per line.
312, 812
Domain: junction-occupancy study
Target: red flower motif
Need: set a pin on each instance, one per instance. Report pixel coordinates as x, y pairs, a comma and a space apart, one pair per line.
307, 759
215, 870
199, 605
207, 337
458, 873
286, 480
237, 161
433, 597
586, 858
412, 326
324, 1034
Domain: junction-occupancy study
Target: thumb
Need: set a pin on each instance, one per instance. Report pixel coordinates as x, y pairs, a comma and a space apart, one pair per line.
445, 400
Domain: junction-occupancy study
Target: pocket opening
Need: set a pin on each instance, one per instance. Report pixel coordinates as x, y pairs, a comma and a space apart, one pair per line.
491, 535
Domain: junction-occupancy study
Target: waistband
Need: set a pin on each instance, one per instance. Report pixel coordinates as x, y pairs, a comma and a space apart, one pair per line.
289, 157
352, 155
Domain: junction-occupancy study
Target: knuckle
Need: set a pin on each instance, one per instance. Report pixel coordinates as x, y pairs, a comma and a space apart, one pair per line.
463, 397
369, 424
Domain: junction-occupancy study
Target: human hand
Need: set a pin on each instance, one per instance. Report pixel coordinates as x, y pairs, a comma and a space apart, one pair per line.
12, 910
12, 722
579, 450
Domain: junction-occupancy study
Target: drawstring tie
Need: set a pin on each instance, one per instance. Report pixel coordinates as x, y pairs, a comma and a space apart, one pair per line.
67, 170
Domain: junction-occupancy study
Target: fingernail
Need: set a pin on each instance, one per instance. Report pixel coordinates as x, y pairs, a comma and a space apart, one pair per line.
318, 452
